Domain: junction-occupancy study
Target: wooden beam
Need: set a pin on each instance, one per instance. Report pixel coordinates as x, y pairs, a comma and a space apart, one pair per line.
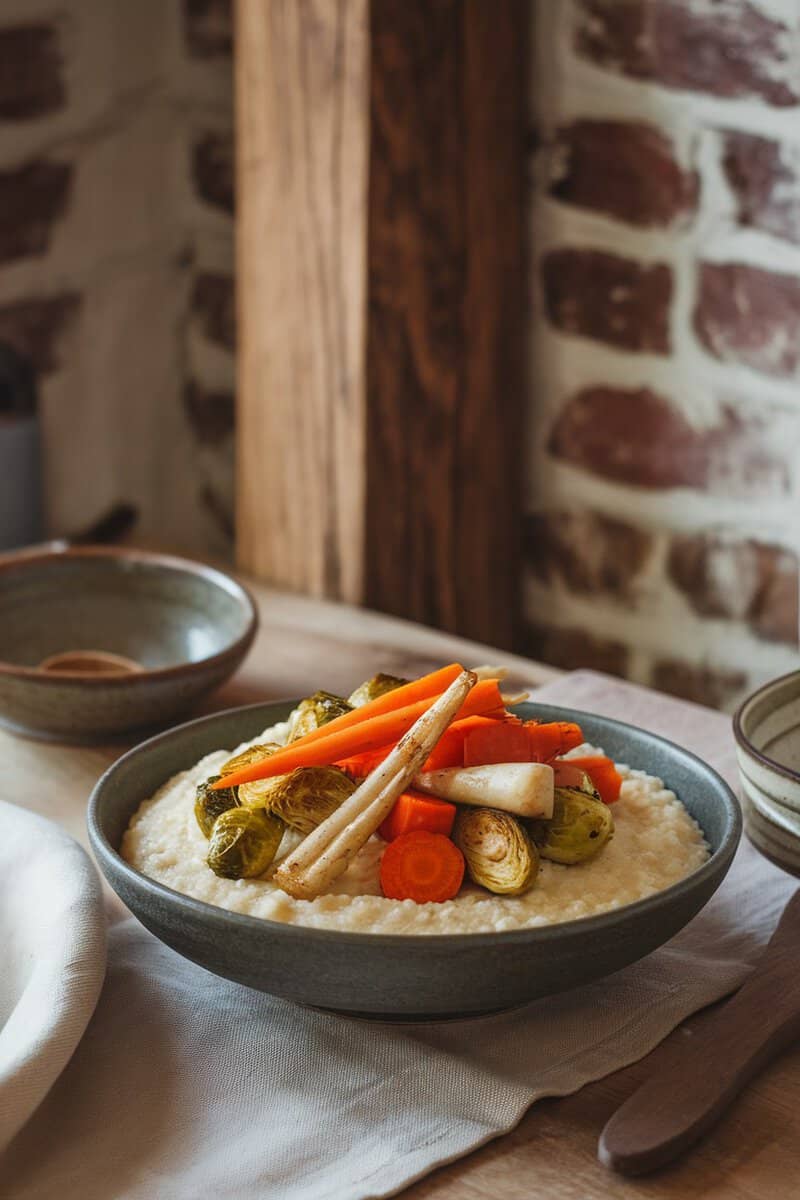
302, 139
446, 329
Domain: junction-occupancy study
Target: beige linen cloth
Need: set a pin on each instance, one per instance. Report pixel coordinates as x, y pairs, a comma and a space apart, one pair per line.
186, 1086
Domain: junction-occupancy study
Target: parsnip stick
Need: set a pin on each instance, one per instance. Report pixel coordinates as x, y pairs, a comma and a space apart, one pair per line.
330, 848
525, 789
498, 673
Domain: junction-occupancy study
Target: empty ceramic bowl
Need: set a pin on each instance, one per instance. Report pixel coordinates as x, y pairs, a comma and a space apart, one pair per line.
767, 731
96, 641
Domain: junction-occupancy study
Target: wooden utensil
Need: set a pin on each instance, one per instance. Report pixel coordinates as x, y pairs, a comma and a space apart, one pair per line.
678, 1104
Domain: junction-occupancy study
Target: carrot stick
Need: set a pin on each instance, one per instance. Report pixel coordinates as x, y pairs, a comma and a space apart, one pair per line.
421, 866
340, 744
448, 751
500, 742
602, 772
414, 810
549, 740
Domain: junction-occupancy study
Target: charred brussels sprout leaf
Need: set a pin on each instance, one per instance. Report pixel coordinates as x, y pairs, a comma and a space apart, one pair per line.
243, 843
252, 754
303, 798
579, 828
498, 852
315, 711
208, 804
379, 685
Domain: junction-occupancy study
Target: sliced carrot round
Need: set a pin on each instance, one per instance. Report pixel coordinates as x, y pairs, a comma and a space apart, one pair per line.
421, 866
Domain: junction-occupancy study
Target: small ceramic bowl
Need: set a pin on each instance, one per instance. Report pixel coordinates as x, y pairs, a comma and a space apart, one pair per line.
96, 641
767, 731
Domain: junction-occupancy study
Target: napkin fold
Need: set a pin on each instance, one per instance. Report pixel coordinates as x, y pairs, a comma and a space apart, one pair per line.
52, 958
186, 1086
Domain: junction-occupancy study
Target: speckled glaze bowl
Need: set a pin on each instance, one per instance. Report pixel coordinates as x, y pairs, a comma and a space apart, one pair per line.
187, 626
767, 732
407, 977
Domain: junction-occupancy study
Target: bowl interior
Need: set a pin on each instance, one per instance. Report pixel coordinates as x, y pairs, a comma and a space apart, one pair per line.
156, 612
770, 721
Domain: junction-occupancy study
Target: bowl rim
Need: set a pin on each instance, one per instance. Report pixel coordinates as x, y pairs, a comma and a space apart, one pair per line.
743, 740
719, 860
147, 558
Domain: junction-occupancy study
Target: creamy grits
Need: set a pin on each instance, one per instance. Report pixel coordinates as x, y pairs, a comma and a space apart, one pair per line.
655, 844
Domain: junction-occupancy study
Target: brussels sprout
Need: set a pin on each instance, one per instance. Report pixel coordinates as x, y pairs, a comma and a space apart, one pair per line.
372, 688
252, 754
579, 828
314, 711
303, 798
209, 804
498, 851
244, 842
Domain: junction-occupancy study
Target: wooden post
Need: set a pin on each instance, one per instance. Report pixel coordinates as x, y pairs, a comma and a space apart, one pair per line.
382, 303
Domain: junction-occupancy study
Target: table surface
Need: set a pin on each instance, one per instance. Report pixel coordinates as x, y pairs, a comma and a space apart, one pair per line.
302, 644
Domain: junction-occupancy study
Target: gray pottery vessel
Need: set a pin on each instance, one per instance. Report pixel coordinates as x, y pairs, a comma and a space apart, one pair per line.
401, 977
186, 625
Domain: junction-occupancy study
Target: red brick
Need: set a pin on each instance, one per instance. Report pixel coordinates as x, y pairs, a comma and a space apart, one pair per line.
609, 299
764, 176
746, 315
587, 551
748, 580
638, 437
214, 303
212, 169
211, 413
624, 169
32, 198
704, 684
726, 49
34, 327
31, 82
208, 27
572, 649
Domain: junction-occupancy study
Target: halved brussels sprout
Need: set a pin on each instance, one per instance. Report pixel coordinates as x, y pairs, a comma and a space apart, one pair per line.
315, 711
498, 851
303, 798
208, 804
578, 829
244, 842
252, 754
372, 688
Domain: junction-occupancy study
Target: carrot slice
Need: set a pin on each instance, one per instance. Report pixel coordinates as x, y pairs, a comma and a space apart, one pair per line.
550, 740
499, 742
422, 866
414, 810
383, 730
449, 750
602, 772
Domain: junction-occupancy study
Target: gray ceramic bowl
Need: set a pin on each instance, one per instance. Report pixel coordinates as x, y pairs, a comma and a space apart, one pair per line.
767, 732
404, 977
186, 625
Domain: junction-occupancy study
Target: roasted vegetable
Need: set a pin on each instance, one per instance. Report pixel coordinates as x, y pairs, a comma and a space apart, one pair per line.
315, 711
500, 855
578, 829
525, 789
244, 842
303, 798
208, 804
379, 685
252, 754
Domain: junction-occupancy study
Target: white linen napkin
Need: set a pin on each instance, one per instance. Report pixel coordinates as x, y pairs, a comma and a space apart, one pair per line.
186, 1086
53, 948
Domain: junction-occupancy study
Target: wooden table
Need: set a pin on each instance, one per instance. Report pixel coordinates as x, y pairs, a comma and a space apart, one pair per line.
754, 1154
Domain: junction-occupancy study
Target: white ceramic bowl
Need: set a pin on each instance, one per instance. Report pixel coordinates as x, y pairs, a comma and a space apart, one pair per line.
767, 732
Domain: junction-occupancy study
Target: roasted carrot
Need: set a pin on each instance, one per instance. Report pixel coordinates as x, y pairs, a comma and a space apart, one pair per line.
497, 742
421, 866
340, 744
448, 752
551, 739
602, 772
415, 810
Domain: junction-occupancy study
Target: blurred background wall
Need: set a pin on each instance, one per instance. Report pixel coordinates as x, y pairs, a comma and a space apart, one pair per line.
661, 473
116, 250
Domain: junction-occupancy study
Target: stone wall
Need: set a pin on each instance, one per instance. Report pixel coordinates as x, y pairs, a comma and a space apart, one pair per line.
664, 516
116, 249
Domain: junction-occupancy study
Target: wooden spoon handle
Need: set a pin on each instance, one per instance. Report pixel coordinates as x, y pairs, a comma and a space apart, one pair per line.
706, 1070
